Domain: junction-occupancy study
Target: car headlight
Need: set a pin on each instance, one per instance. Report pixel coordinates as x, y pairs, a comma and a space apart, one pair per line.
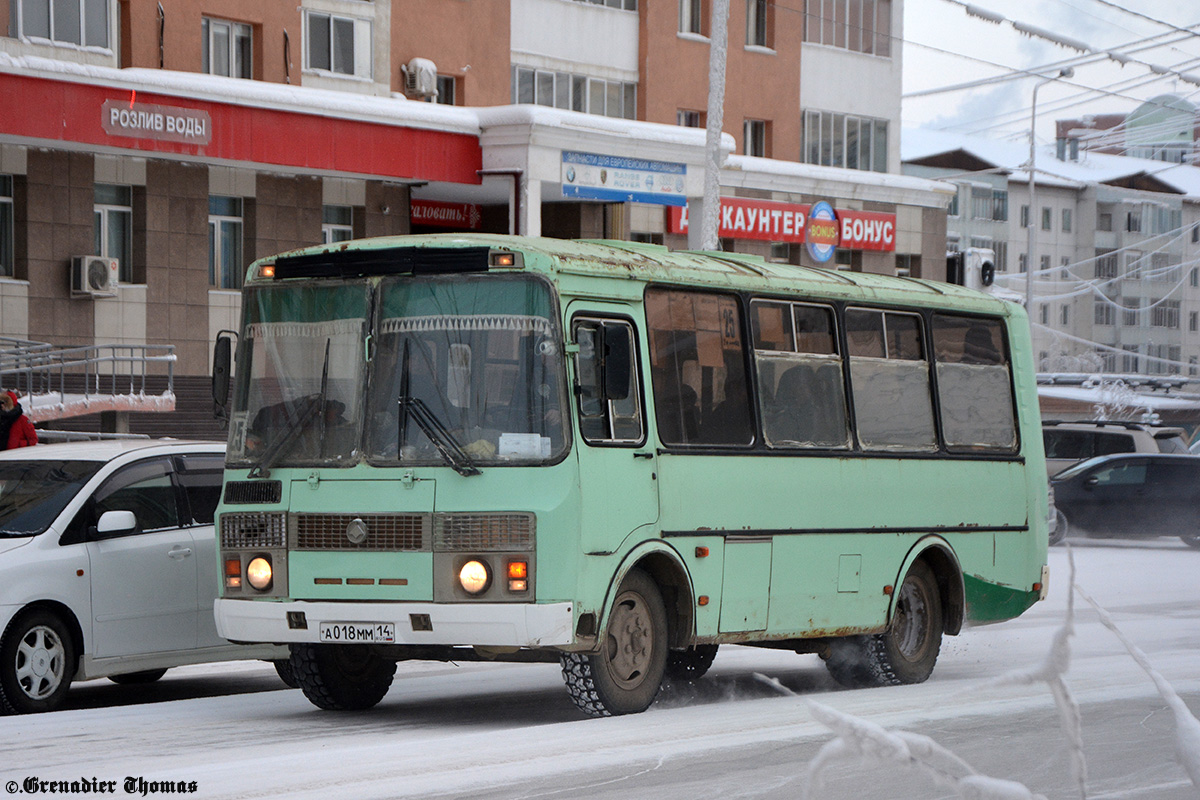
474, 577
258, 573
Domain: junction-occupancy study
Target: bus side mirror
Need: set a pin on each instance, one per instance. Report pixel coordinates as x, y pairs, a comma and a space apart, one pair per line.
222, 358
618, 362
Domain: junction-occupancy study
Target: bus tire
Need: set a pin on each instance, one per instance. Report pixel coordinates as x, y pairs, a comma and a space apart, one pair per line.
134, 678
625, 676
341, 677
907, 651
692, 663
37, 663
283, 668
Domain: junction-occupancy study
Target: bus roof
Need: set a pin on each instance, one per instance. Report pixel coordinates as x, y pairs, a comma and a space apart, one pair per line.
655, 263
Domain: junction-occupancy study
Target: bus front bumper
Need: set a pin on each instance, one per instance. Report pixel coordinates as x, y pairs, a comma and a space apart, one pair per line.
458, 624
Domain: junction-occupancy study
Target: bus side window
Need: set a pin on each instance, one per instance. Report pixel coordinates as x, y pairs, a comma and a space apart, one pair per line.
975, 386
603, 418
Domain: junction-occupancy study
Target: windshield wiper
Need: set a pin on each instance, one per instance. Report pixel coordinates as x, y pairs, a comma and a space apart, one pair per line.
449, 448
314, 404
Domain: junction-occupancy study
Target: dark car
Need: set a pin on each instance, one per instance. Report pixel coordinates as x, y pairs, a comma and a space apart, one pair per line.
1130, 495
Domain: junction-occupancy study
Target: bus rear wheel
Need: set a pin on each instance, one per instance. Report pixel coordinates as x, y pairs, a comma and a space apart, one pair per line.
341, 677
690, 664
625, 676
907, 650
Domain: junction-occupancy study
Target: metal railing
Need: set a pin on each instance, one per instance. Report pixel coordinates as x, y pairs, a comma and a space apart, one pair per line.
42, 371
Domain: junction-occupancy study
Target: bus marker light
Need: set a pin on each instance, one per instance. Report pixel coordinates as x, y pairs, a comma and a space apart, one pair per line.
517, 586
267, 271
1037, 587
701, 552
474, 577
888, 590
702, 600
503, 259
233, 573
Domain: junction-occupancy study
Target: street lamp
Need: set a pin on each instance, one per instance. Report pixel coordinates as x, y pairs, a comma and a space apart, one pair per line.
1065, 72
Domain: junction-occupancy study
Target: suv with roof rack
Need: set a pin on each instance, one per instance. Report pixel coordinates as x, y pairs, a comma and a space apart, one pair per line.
1069, 443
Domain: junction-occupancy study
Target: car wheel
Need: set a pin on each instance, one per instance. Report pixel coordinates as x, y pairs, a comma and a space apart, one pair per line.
37, 663
1191, 540
907, 650
146, 676
625, 676
341, 677
1060, 529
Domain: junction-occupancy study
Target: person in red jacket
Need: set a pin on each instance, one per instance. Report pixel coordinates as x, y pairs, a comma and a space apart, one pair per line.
15, 428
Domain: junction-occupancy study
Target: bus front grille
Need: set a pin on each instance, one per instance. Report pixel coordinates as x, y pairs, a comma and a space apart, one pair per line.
459, 532
388, 532
253, 530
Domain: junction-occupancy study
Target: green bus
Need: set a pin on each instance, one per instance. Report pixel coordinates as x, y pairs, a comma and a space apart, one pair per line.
618, 457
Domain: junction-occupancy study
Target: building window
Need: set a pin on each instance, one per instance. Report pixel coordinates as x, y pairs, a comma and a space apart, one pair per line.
627, 5
1106, 264
1129, 317
337, 224
1104, 222
1065, 314
574, 92
842, 140
1045, 313
1133, 222
6, 226
341, 45
114, 226
1022, 262
1194, 277
1193, 321
754, 138
691, 17
225, 242
1066, 220
226, 48
1044, 265
447, 90
952, 209
1192, 361
1065, 269
1165, 314
689, 119
864, 26
1047, 219
1106, 314
1129, 361
1001, 250
80, 22
758, 28
1024, 216
1000, 205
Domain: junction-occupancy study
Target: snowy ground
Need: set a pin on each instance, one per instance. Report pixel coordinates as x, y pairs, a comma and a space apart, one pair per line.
508, 731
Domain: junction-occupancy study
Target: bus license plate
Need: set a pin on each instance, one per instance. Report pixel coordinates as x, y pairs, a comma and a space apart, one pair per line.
365, 632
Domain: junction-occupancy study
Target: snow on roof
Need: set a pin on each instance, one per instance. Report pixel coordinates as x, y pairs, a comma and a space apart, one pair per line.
921, 143
393, 109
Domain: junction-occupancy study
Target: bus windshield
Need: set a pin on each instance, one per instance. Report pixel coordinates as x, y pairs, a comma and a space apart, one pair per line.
461, 371
472, 366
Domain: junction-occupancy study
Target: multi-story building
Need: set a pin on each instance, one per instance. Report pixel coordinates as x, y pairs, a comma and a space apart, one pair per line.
185, 138
1116, 248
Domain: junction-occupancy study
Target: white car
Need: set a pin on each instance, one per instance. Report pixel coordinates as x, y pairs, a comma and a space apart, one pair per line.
108, 566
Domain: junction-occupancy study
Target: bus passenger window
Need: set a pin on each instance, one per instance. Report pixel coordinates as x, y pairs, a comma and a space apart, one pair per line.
893, 406
803, 402
974, 385
698, 368
605, 419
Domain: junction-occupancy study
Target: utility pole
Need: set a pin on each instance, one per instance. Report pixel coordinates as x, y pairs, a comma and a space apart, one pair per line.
717, 53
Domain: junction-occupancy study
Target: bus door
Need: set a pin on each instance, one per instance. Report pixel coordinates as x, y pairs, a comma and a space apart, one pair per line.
617, 466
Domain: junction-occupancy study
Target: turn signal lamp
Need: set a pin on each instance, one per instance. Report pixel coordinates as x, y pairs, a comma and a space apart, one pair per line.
233, 573
518, 576
258, 573
503, 260
473, 577
266, 271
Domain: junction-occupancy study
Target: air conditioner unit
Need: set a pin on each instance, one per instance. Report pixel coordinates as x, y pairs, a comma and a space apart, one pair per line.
94, 276
420, 78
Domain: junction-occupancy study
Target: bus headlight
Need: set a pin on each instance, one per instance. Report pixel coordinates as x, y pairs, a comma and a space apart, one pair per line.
474, 577
258, 573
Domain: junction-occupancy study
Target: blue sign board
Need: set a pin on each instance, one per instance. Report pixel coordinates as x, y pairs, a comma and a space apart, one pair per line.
617, 179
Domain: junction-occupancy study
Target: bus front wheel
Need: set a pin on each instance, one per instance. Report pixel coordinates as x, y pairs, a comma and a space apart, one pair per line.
341, 677
625, 676
907, 650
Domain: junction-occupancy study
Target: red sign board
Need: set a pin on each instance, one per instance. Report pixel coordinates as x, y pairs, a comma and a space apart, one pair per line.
460, 216
771, 221
148, 123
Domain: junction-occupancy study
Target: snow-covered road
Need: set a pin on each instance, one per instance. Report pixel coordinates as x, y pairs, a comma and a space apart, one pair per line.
508, 730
